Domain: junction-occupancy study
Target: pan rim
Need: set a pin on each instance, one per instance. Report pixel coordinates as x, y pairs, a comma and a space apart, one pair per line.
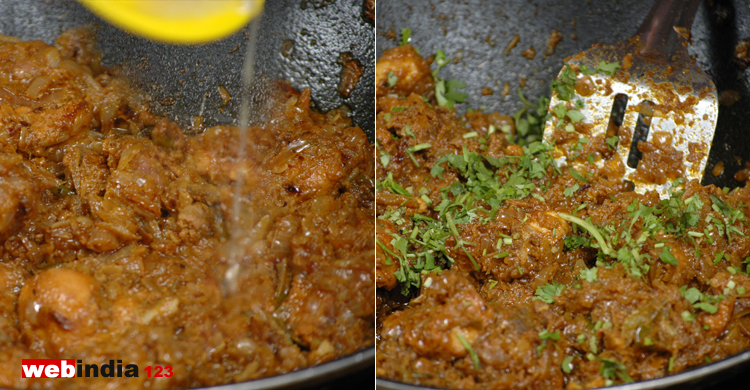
657, 383
307, 376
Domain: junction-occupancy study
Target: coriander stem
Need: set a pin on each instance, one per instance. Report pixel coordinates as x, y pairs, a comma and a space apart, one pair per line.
591, 229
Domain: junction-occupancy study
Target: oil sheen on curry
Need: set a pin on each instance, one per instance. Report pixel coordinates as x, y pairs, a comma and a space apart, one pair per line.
114, 226
497, 268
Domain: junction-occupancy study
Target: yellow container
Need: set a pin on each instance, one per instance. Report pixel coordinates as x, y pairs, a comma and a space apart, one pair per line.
178, 21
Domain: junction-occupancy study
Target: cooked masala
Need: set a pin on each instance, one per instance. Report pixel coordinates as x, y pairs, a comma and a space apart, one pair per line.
115, 229
497, 268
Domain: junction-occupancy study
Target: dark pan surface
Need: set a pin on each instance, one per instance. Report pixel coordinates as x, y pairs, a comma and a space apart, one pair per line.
478, 32
321, 31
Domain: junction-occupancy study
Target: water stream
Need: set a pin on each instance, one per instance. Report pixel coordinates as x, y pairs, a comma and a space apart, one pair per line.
235, 249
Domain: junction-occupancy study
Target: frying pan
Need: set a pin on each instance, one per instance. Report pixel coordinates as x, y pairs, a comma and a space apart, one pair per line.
177, 78
477, 33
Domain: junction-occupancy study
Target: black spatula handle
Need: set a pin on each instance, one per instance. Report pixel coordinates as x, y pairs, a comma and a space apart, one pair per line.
658, 36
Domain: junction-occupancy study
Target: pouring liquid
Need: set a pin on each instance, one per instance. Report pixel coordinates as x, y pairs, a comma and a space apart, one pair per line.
235, 248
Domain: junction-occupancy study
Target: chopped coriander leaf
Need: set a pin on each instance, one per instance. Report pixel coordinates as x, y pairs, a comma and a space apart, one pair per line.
589, 275
589, 227
390, 184
398, 109
392, 79
472, 353
612, 142
579, 143
560, 110
608, 68
720, 205
529, 121
523, 99
692, 294
541, 346
667, 256
564, 84
718, 257
407, 130
567, 365
440, 60
385, 158
574, 116
594, 344
575, 242
411, 157
547, 335
700, 300
419, 147
405, 275
452, 93
446, 93
405, 36
440, 94
707, 307
612, 369
483, 184
585, 70
547, 292
577, 175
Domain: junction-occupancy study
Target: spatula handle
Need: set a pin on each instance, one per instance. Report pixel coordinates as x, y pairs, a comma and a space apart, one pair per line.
657, 32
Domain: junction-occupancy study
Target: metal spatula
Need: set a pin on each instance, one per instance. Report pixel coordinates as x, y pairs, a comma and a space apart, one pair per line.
658, 90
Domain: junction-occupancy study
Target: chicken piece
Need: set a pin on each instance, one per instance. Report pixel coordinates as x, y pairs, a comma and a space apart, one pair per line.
21, 184
215, 152
312, 169
53, 125
139, 179
57, 310
411, 71
449, 308
316, 312
8, 206
194, 216
11, 279
717, 322
87, 170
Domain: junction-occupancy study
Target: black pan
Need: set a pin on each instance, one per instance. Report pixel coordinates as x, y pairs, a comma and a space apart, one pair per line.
321, 31
477, 33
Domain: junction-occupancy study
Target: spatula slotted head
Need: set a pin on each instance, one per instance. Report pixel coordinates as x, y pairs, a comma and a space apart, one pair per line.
650, 123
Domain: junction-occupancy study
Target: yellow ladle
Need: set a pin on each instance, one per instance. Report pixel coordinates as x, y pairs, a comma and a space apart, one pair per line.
178, 21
